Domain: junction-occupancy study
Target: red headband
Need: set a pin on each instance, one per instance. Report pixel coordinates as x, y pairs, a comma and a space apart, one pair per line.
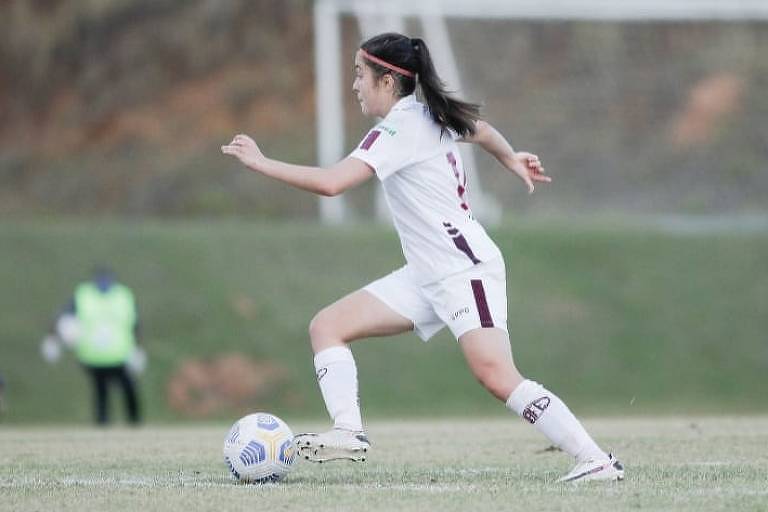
386, 64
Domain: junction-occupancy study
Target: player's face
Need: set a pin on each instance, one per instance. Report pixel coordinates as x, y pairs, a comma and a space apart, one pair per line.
372, 97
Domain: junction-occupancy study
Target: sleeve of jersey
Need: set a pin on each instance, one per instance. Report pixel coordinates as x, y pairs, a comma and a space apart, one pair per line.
385, 150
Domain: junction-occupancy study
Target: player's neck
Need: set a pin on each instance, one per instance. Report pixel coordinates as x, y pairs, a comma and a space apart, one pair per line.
387, 105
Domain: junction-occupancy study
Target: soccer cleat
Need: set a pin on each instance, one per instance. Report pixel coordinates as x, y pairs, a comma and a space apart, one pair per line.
336, 444
596, 469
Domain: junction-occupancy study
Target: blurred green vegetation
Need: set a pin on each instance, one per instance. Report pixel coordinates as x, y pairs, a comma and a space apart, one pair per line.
120, 106
616, 318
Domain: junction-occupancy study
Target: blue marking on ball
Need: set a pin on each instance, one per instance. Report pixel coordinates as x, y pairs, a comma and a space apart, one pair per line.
232, 468
234, 434
253, 453
287, 452
267, 422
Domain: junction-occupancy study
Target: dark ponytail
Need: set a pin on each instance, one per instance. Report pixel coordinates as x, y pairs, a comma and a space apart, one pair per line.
413, 55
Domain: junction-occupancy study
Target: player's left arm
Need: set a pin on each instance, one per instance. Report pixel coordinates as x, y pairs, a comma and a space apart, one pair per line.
526, 166
329, 181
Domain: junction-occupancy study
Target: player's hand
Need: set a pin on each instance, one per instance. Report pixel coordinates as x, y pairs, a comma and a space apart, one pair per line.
50, 349
137, 362
245, 149
528, 168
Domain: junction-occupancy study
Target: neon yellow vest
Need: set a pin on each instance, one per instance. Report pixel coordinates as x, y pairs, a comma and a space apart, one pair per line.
106, 323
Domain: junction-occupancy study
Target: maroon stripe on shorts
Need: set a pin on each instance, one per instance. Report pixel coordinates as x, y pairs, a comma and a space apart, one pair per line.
370, 139
461, 244
482, 303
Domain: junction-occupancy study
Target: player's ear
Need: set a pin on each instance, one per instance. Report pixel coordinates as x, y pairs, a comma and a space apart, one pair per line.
388, 81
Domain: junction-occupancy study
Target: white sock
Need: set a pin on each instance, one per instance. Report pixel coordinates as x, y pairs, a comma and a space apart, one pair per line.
551, 417
337, 376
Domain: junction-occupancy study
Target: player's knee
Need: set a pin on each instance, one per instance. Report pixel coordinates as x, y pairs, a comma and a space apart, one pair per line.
498, 379
322, 329
316, 326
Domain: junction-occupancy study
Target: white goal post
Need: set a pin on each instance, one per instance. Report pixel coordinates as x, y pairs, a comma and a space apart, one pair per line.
382, 15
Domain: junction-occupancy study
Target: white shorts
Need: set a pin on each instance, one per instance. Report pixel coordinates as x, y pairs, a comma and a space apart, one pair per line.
474, 298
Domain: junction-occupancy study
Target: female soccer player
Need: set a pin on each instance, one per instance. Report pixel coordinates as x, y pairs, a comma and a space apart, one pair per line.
454, 274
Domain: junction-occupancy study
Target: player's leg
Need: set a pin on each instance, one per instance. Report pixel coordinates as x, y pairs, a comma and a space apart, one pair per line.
489, 357
356, 316
390, 305
128, 385
100, 396
488, 354
474, 306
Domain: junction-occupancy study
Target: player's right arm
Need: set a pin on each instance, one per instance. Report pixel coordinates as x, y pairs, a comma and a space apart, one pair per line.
525, 165
330, 181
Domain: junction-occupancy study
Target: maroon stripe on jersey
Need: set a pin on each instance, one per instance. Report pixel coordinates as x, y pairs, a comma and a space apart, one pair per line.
482, 304
462, 245
370, 139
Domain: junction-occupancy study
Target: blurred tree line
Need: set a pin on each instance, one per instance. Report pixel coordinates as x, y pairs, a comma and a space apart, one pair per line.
120, 106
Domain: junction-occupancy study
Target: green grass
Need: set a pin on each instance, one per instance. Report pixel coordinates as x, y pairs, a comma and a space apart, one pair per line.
696, 464
615, 318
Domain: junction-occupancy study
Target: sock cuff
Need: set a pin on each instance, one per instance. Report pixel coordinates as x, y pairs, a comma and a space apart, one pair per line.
333, 355
523, 394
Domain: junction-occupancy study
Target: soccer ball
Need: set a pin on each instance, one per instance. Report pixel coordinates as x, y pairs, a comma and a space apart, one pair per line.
259, 449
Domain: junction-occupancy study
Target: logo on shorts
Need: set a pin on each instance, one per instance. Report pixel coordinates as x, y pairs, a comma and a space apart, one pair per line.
321, 373
535, 409
456, 314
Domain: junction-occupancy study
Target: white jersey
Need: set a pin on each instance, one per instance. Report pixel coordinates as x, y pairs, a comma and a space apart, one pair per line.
420, 168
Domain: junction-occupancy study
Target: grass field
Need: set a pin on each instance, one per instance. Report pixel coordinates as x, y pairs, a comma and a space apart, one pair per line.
696, 463
649, 320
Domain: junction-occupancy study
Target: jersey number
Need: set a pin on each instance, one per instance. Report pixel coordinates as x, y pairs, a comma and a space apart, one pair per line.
461, 179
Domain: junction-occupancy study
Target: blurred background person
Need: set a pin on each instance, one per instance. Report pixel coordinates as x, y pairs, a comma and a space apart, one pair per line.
101, 325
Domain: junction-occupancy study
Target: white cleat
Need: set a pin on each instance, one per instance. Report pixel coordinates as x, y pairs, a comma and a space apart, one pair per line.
608, 469
336, 444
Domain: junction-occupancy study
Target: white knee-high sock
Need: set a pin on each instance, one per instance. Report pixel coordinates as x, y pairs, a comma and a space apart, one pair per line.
551, 417
337, 376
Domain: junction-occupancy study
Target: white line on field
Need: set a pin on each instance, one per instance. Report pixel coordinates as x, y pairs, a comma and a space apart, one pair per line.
113, 482
429, 488
157, 483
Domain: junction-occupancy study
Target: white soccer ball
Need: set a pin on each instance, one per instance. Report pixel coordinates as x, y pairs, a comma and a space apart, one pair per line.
259, 448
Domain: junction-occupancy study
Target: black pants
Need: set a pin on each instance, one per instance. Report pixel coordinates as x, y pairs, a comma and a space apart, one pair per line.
101, 377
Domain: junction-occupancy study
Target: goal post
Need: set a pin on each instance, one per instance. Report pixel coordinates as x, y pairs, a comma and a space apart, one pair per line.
378, 16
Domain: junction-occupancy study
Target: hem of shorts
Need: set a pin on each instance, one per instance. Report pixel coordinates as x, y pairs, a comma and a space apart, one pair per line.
415, 329
465, 331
